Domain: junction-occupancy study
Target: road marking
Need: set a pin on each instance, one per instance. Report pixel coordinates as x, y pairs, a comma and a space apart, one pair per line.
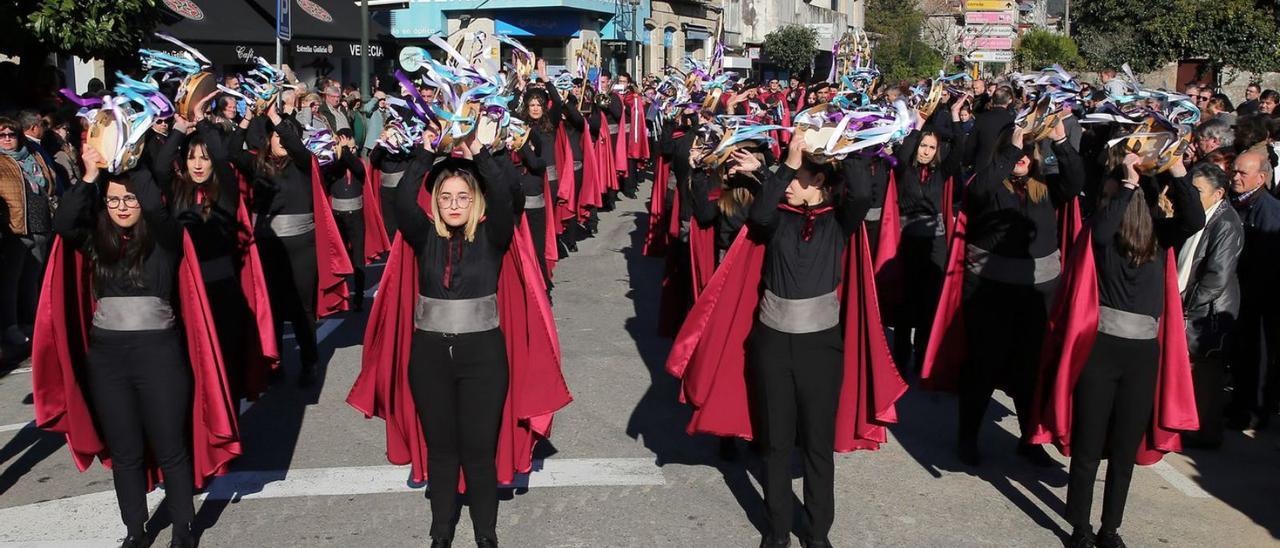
21, 370
17, 426
1179, 481
83, 519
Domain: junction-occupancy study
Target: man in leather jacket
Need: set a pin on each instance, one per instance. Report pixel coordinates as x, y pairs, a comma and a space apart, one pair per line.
1210, 298
1255, 364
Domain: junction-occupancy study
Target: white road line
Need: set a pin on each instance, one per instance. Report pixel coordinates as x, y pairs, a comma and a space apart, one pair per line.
21, 370
1179, 481
17, 426
83, 520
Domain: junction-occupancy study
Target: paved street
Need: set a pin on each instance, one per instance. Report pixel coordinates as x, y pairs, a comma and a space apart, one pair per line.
620, 470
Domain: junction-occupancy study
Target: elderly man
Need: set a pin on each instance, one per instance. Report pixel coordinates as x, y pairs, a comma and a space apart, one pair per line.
1207, 264
1257, 337
332, 111
981, 99
1250, 104
1212, 135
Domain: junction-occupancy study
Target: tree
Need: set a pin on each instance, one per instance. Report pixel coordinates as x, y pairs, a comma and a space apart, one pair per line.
900, 54
791, 47
89, 28
1228, 33
1040, 48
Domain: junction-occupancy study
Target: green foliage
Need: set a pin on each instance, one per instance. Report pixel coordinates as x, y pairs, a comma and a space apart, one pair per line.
92, 28
1040, 48
791, 47
900, 53
1236, 33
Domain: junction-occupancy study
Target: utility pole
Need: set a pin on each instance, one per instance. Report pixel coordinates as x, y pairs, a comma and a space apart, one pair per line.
1066, 20
364, 49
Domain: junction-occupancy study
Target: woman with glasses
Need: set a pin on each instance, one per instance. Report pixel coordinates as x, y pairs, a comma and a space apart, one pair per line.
26, 189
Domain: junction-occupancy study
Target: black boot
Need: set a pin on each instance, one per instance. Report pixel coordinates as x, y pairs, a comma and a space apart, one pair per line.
307, 377
139, 540
728, 449
1081, 539
441, 542
485, 542
182, 537
815, 543
769, 541
1036, 455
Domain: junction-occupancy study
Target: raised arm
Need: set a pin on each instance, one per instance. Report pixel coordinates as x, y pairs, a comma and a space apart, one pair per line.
163, 162
164, 227
764, 210
499, 211
413, 221
855, 173
1188, 213
704, 209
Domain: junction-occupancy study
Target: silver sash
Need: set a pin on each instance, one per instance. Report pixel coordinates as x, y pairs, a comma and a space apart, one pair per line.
391, 180
553, 173
218, 269
874, 213
535, 202
797, 316
347, 204
1013, 271
456, 315
1127, 325
577, 165
297, 224
613, 129
133, 314
939, 229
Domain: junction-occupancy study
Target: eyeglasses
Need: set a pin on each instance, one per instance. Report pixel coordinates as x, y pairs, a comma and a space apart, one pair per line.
8, 135
113, 202
460, 201
160, 123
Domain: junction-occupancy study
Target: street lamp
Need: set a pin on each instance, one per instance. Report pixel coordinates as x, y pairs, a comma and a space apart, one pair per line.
633, 47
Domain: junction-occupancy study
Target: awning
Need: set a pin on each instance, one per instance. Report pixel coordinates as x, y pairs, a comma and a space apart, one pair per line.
696, 32
332, 20
538, 22
225, 31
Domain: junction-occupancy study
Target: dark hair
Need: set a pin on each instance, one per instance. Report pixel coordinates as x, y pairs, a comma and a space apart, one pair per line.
1254, 85
1221, 102
937, 152
1136, 238
1222, 157
828, 171
118, 253
185, 189
543, 124
9, 123
1002, 97
346, 133
1250, 130
1269, 95
1212, 173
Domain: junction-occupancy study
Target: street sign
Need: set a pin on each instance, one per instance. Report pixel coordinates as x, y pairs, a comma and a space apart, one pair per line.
990, 30
990, 18
991, 56
988, 43
284, 26
990, 5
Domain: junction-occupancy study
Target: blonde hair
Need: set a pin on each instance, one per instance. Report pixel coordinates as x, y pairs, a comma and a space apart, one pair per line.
477, 203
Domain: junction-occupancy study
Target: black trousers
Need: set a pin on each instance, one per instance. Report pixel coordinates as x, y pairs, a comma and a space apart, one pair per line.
351, 227
631, 181
573, 231
922, 289
1255, 364
140, 392
1005, 326
289, 265
538, 229
1209, 374
459, 385
795, 388
1111, 411
387, 197
233, 319
22, 260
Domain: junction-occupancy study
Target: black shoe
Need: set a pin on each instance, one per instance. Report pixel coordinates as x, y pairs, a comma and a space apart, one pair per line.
771, 542
1109, 539
483, 542
441, 542
967, 452
1081, 539
1036, 455
182, 542
815, 543
136, 541
630, 194
307, 377
571, 245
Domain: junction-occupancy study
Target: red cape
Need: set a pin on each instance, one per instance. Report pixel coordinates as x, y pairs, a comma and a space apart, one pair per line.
565, 205
655, 241
592, 187
262, 356
536, 390
948, 346
702, 256
709, 354
61, 343
605, 154
637, 132
333, 265
1073, 327
376, 243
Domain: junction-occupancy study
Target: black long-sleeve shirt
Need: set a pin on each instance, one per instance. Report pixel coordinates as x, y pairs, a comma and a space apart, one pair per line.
1005, 220
216, 235
574, 124
345, 176
472, 267
799, 268
75, 221
288, 191
921, 190
708, 212
534, 165
1138, 288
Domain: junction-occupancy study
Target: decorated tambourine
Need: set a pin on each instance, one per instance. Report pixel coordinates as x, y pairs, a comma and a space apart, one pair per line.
1053, 92
728, 134
188, 66
118, 123
470, 97
1158, 145
925, 98
831, 133
321, 143
1157, 124
262, 86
